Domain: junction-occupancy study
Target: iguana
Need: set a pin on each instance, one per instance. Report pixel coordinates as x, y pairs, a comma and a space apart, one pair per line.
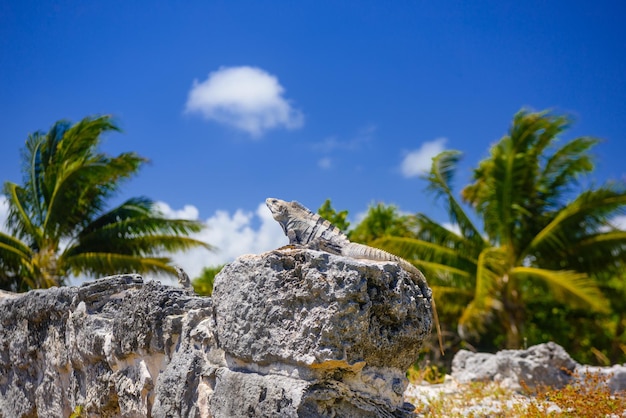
306, 228
183, 278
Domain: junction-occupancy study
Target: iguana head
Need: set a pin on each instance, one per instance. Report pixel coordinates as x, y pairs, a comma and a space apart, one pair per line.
302, 226
278, 208
282, 211
286, 213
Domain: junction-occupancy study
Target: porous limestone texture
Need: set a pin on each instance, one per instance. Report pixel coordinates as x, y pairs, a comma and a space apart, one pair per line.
288, 333
541, 365
613, 376
545, 364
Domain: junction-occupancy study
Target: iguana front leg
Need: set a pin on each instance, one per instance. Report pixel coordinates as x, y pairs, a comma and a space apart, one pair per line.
293, 239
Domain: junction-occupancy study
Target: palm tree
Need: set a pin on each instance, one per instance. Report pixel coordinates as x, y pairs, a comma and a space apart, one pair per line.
339, 219
203, 284
57, 220
538, 231
382, 220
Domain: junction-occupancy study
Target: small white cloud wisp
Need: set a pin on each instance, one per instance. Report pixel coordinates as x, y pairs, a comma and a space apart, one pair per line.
246, 98
325, 163
419, 161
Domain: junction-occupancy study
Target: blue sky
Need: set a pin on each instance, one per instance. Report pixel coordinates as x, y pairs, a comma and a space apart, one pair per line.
235, 101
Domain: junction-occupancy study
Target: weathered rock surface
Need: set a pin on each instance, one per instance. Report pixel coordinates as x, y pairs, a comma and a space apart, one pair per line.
287, 333
614, 376
538, 366
541, 365
313, 308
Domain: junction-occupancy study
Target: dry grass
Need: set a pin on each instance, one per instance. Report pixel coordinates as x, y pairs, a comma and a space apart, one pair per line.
588, 397
425, 373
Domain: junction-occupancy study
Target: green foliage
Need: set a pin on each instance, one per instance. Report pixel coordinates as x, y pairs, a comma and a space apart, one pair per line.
382, 220
58, 223
203, 284
541, 230
339, 219
419, 373
590, 337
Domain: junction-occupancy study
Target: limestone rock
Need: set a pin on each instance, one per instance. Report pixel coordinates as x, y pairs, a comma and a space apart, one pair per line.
100, 347
288, 333
614, 376
348, 328
314, 308
545, 364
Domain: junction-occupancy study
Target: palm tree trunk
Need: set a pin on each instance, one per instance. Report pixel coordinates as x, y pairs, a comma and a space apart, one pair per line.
512, 316
47, 272
616, 345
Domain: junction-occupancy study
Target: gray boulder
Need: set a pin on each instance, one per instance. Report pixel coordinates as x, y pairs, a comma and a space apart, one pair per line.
287, 333
614, 376
542, 365
101, 347
545, 364
317, 309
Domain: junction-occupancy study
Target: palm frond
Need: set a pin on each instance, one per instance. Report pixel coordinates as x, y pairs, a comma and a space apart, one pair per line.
140, 226
578, 285
16, 268
414, 249
442, 171
506, 190
437, 270
82, 188
587, 214
133, 208
19, 219
451, 300
565, 166
431, 231
602, 251
140, 246
100, 264
439, 180
134, 228
81, 139
443, 292
491, 268
33, 166
67, 183
490, 271
152, 244
13, 252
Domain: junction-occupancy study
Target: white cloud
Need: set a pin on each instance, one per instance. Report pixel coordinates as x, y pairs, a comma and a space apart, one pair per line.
233, 235
325, 163
333, 142
247, 98
357, 218
452, 227
4, 213
418, 162
188, 212
620, 222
